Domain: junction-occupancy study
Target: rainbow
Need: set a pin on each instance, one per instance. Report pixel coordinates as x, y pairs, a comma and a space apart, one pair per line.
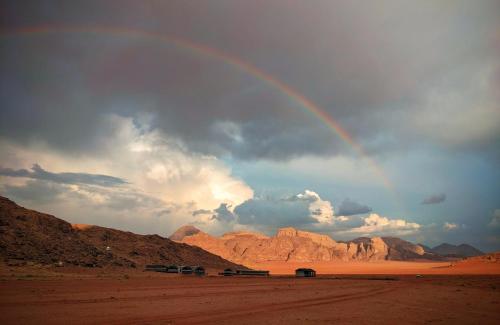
306, 104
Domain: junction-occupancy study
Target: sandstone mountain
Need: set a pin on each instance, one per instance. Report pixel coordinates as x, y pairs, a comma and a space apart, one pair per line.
294, 245
183, 232
28, 236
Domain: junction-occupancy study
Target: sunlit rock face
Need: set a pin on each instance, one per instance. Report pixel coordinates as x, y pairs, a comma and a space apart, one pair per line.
322, 240
292, 245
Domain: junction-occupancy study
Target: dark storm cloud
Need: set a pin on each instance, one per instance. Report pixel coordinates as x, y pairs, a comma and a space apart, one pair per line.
434, 199
222, 213
361, 63
350, 208
39, 173
274, 212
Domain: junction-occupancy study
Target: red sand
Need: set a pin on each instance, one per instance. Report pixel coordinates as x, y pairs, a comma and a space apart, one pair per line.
385, 267
174, 299
36, 294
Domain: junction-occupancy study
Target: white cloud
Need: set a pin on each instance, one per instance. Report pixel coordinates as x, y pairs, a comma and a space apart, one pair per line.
308, 195
377, 225
342, 218
321, 210
155, 166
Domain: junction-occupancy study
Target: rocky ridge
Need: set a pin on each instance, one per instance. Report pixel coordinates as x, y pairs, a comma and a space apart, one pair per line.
290, 244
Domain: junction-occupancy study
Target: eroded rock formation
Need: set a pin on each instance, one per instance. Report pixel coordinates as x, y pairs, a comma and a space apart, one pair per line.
290, 244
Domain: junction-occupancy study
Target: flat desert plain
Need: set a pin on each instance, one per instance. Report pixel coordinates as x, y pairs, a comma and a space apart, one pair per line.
469, 266
119, 297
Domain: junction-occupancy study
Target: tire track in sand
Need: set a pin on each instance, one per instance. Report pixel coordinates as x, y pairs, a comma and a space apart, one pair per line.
203, 317
136, 298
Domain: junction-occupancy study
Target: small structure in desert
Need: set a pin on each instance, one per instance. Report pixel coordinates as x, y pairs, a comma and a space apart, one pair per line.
156, 268
186, 270
304, 272
199, 270
172, 269
252, 272
228, 272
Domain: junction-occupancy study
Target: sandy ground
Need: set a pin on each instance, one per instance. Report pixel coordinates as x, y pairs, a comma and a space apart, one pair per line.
385, 267
154, 298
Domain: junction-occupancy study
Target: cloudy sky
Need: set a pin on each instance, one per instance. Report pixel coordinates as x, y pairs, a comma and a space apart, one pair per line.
343, 117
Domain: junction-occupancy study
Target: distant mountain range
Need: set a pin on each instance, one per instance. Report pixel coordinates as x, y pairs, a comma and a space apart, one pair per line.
294, 245
28, 236
449, 250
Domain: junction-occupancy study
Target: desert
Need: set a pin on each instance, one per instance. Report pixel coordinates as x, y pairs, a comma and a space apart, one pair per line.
249, 162
93, 282
125, 298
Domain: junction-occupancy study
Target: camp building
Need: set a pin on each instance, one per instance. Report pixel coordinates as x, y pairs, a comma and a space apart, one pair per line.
303, 272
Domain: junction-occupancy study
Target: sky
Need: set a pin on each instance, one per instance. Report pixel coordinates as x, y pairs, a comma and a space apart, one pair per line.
348, 118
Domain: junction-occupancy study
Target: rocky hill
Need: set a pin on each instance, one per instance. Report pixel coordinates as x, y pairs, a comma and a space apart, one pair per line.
294, 245
462, 250
30, 236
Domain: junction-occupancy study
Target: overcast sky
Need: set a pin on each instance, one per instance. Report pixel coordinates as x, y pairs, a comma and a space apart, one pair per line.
148, 115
